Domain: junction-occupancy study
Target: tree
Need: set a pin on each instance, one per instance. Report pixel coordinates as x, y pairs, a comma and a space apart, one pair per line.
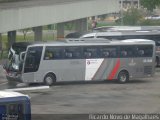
150, 4
132, 17
25, 31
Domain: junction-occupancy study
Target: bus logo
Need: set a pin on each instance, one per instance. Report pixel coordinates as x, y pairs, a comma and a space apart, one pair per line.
132, 63
88, 62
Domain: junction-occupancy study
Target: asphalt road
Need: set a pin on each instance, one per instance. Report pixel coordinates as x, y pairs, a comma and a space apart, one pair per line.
137, 96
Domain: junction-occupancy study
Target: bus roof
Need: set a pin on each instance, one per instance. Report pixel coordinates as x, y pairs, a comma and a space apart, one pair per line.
126, 28
120, 33
5, 94
95, 42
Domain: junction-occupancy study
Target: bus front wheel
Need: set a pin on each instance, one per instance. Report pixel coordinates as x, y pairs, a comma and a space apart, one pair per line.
123, 77
49, 79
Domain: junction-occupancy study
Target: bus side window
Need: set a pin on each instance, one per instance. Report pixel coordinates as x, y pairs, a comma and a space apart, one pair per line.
123, 53
68, 55
53, 53
87, 54
126, 51
141, 53
90, 52
48, 55
113, 54
73, 52
106, 53
57, 55
144, 51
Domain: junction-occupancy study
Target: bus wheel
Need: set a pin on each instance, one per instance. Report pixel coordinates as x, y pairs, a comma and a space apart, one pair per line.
49, 79
123, 77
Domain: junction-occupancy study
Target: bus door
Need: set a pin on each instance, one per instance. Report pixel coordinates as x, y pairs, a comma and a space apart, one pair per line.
31, 63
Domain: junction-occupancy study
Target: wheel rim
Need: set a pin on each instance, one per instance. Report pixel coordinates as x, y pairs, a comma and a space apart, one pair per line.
123, 78
49, 80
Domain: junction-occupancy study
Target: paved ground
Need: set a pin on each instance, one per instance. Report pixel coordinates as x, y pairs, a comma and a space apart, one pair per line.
138, 96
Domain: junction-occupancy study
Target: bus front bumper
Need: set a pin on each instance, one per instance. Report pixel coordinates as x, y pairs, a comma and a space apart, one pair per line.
14, 77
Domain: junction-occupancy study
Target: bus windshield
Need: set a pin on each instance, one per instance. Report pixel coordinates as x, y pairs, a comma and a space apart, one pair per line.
14, 63
33, 59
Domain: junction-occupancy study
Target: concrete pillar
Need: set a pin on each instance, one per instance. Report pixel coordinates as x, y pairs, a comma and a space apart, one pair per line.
37, 33
60, 31
81, 25
78, 25
11, 38
84, 25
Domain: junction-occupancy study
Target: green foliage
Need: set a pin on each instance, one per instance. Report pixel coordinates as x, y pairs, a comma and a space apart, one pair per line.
132, 17
150, 22
150, 4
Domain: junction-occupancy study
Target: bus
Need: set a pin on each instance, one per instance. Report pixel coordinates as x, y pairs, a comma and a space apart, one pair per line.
131, 33
14, 106
87, 59
126, 28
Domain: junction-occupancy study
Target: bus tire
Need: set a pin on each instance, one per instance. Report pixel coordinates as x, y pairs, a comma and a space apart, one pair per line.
123, 77
50, 79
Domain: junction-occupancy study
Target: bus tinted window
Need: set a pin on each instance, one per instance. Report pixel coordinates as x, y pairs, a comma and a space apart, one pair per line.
126, 51
53, 52
2, 109
144, 51
108, 52
73, 52
90, 52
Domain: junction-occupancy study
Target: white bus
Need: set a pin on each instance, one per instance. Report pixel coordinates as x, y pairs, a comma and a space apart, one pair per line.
89, 60
131, 33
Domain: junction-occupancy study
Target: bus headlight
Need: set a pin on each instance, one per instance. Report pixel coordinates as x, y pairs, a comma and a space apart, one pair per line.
16, 67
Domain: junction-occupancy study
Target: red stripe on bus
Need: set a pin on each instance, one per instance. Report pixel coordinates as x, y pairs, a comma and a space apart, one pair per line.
114, 70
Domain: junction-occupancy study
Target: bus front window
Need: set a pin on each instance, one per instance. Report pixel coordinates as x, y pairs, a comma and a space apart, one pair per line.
33, 58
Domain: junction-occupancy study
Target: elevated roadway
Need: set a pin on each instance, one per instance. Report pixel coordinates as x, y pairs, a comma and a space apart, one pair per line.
33, 13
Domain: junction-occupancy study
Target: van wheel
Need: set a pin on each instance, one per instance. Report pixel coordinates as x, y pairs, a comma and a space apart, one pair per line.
49, 79
123, 77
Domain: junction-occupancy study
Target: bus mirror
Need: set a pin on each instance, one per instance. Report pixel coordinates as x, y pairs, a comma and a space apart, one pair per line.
22, 55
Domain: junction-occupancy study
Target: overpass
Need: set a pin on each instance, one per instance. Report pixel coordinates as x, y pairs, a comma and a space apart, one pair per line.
37, 13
